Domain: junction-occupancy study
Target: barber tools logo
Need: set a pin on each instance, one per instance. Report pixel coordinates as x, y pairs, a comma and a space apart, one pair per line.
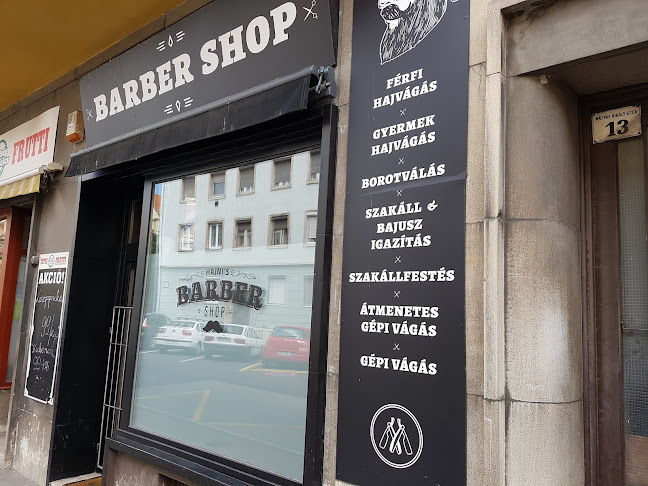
396, 436
408, 23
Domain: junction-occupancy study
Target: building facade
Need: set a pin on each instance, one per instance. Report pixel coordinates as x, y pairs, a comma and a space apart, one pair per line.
201, 330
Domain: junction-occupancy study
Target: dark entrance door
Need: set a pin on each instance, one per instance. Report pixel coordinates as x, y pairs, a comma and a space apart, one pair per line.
102, 279
617, 331
13, 262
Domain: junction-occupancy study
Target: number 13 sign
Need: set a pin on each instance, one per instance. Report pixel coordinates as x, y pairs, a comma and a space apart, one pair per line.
616, 124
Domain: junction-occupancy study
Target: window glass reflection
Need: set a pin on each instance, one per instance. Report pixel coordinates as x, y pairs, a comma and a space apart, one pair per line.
223, 354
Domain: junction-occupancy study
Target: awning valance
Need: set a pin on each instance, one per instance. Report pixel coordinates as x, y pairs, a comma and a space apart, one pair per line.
258, 105
21, 187
27, 182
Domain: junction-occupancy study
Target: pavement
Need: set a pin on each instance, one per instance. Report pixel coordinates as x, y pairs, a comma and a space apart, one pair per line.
12, 478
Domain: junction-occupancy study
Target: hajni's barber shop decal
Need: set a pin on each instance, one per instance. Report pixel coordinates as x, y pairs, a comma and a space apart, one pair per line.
214, 291
402, 385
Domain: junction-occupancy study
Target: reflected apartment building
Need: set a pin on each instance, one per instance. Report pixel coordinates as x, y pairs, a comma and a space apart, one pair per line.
237, 225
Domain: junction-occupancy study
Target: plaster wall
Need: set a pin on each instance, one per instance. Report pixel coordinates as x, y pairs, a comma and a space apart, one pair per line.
53, 227
29, 423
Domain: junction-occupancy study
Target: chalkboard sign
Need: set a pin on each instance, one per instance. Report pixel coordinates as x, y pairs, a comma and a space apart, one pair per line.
402, 384
45, 336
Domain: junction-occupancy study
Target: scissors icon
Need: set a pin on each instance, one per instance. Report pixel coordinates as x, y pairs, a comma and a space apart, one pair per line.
309, 11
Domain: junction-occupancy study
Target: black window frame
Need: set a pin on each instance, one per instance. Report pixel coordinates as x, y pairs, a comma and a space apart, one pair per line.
188, 462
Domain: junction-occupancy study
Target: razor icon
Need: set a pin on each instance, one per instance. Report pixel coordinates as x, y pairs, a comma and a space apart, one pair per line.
396, 438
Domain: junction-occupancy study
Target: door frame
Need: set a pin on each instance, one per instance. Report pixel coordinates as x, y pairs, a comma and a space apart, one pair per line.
603, 411
8, 281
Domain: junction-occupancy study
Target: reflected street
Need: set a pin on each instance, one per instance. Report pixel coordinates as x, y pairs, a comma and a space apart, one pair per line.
259, 412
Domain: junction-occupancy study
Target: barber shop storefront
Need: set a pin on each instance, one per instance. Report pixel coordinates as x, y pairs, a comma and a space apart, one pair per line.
332, 243
203, 253
204, 240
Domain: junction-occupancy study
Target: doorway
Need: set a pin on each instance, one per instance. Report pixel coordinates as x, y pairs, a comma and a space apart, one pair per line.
14, 238
616, 330
102, 277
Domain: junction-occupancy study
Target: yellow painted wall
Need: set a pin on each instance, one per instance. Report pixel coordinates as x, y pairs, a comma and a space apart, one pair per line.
41, 40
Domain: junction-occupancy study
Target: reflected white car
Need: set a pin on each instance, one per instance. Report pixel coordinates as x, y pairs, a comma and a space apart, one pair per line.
184, 334
236, 340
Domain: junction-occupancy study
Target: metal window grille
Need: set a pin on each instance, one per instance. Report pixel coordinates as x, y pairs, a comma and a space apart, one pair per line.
114, 387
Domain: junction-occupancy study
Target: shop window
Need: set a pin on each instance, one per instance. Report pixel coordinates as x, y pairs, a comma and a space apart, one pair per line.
281, 174
196, 389
311, 228
277, 289
279, 230
246, 180
243, 237
189, 190
314, 166
215, 235
187, 237
217, 186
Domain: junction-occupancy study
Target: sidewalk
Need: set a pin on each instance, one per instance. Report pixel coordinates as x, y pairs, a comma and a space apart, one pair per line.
12, 478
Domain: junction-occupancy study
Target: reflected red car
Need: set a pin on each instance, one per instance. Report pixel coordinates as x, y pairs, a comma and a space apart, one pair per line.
287, 343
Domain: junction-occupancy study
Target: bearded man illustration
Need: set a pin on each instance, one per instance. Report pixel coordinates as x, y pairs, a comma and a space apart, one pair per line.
408, 23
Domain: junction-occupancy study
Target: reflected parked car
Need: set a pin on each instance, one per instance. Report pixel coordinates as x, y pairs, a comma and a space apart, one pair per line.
184, 334
235, 340
287, 343
150, 325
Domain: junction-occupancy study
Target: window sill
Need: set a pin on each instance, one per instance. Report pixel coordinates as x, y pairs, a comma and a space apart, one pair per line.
177, 466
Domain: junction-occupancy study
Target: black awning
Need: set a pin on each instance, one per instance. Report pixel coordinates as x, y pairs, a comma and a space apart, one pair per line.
263, 104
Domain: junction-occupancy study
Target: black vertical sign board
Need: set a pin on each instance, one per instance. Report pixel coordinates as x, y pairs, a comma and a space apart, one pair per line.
45, 334
402, 390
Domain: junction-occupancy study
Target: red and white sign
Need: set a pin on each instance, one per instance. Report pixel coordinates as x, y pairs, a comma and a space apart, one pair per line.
27, 147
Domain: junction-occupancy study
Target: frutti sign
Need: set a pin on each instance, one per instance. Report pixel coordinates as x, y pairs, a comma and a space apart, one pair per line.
28, 146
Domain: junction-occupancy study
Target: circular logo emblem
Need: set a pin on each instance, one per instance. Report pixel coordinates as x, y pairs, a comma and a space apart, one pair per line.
4, 152
50, 261
396, 436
